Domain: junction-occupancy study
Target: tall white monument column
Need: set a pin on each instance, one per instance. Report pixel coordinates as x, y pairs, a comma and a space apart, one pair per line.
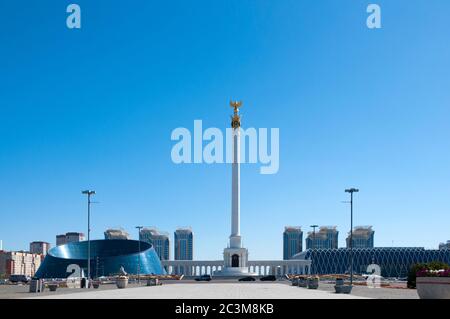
235, 256
235, 237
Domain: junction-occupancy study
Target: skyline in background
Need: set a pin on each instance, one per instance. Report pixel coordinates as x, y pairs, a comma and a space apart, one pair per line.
94, 109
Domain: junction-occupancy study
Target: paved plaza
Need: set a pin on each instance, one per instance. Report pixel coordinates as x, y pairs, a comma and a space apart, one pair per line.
207, 291
220, 289
225, 290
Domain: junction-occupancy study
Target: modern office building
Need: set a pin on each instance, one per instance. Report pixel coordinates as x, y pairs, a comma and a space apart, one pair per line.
292, 241
60, 239
393, 261
107, 258
39, 247
159, 240
326, 237
445, 245
362, 237
116, 233
73, 237
183, 243
19, 263
70, 237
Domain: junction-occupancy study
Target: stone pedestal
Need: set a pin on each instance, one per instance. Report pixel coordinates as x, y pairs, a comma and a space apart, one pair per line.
235, 260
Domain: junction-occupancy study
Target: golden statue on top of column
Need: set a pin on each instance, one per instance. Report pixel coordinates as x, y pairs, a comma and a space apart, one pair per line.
236, 119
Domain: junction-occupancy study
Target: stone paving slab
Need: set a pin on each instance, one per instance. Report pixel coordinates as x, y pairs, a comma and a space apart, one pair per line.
207, 291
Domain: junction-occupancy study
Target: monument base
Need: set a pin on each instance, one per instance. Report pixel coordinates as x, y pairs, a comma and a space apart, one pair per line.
235, 259
234, 272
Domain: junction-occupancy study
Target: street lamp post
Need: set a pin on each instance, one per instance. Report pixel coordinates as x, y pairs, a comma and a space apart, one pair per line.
351, 191
139, 255
89, 193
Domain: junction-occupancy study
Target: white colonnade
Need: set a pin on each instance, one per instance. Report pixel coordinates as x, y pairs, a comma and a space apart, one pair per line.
260, 267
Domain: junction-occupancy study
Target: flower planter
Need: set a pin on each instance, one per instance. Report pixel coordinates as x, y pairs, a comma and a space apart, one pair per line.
313, 283
343, 289
302, 283
339, 281
295, 282
52, 287
433, 287
153, 282
122, 282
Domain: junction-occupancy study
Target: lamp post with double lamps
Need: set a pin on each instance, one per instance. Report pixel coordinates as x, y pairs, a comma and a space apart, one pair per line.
351, 191
89, 193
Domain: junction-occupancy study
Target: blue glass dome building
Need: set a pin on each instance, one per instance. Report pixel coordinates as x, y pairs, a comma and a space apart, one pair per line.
107, 256
393, 261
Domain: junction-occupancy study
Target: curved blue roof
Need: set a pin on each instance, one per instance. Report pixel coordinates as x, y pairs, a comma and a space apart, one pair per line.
107, 256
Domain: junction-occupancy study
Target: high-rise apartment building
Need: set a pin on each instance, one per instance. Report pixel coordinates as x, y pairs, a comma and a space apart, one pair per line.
326, 237
292, 241
117, 233
60, 239
69, 238
183, 238
39, 247
19, 263
362, 237
159, 240
444, 245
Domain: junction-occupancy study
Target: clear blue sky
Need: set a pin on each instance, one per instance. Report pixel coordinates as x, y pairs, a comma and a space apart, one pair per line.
94, 108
